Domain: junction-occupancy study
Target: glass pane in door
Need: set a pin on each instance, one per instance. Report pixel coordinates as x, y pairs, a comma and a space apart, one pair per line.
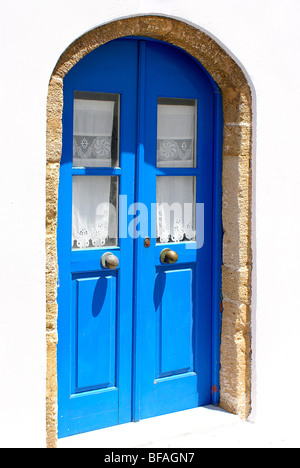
176, 132
96, 130
94, 211
175, 203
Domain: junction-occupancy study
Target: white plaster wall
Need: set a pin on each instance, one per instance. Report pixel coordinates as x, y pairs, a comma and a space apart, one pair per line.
264, 37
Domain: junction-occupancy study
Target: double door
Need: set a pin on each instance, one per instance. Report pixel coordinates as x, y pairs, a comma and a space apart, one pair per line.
135, 224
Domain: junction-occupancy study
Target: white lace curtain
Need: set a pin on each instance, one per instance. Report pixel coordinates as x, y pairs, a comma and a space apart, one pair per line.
175, 195
175, 135
175, 209
92, 133
94, 217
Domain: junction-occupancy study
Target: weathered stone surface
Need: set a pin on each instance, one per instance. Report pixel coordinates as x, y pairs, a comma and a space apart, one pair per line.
235, 374
51, 384
54, 119
236, 211
235, 356
236, 284
237, 138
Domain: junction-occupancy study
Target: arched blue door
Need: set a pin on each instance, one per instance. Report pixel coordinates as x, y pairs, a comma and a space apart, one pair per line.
135, 236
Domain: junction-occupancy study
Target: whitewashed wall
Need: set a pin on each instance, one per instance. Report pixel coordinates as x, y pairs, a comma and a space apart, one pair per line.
264, 37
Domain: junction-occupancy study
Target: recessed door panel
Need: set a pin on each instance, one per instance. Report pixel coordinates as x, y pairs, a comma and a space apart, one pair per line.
174, 337
95, 322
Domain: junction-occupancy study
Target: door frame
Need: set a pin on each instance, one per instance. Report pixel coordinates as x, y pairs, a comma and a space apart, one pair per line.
232, 202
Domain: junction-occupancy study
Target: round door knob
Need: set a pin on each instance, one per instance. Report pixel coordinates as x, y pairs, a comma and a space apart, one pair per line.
168, 256
110, 261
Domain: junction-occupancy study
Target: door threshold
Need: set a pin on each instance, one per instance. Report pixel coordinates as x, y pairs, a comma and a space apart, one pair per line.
189, 428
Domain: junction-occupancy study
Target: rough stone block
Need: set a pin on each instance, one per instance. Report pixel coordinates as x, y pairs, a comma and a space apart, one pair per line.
236, 284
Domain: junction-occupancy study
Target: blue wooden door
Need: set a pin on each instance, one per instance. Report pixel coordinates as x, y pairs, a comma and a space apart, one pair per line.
136, 178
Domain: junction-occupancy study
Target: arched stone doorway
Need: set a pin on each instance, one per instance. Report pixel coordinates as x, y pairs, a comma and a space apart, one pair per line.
235, 371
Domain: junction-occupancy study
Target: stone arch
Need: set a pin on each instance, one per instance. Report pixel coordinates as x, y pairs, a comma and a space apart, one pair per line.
235, 371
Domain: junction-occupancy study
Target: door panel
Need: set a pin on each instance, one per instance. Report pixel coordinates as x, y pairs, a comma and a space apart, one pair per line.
95, 316
95, 304
134, 342
174, 323
171, 75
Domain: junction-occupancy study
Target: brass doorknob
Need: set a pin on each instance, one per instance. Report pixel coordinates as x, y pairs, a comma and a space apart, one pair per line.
168, 256
110, 261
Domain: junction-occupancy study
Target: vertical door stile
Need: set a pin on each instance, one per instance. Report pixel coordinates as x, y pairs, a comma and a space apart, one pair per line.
137, 352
